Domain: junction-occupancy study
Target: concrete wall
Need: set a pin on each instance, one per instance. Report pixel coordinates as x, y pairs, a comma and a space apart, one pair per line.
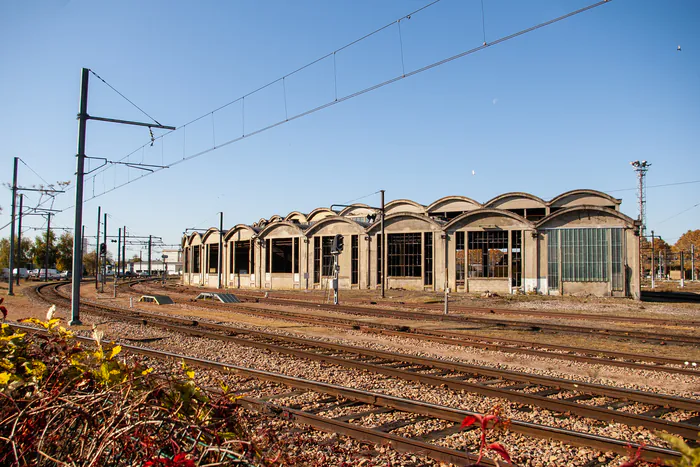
405, 216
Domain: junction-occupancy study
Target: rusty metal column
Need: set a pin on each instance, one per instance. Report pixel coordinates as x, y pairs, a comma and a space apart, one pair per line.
641, 266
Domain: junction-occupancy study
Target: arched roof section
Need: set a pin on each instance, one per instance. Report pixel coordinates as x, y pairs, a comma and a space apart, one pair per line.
275, 218
184, 241
333, 220
192, 236
397, 216
453, 203
320, 213
515, 200
238, 228
353, 207
296, 215
495, 217
209, 232
584, 196
275, 225
586, 216
403, 205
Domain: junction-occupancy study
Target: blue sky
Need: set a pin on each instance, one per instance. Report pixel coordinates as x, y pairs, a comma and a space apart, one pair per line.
564, 107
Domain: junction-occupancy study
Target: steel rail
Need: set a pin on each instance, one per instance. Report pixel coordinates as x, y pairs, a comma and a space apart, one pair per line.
563, 406
467, 340
407, 405
678, 338
493, 310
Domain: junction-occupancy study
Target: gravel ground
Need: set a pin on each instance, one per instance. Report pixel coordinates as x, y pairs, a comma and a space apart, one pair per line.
264, 360
526, 451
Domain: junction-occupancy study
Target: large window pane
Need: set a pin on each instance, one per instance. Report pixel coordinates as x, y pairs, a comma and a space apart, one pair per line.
428, 258
584, 255
487, 253
282, 255
404, 255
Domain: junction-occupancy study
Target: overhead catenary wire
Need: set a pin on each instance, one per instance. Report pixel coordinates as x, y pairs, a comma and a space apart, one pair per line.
340, 99
362, 197
126, 98
678, 214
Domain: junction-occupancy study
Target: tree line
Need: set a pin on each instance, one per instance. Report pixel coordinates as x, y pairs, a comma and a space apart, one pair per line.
60, 252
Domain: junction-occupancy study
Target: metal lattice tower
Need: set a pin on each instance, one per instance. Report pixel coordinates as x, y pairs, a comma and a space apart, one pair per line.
641, 167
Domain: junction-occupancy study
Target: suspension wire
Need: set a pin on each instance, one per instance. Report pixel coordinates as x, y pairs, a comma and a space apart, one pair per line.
27, 166
655, 186
483, 21
126, 98
403, 67
362, 197
682, 212
352, 95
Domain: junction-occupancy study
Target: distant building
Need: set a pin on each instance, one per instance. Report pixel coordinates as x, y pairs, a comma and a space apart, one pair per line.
577, 242
173, 261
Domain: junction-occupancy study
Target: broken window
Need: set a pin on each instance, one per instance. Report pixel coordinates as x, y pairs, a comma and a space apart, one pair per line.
241, 257
379, 259
404, 255
195, 259
516, 257
618, 276
282, 255
213, 258
459, 257
535, 214
296, 255
187, 260
317, 260
487, 254
267, 255
354, 259
428, 258
327, 257
553, 260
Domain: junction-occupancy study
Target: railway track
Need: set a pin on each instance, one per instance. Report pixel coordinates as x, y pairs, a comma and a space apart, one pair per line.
554, 394
342, 410
575, 354
499, 323
496, 312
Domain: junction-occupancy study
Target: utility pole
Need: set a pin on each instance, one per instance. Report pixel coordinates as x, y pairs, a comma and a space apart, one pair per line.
124, 252
692, 262
48, 244
104, 260
82, 251
97, 250
83, 117
150, 244
12, 227
19, 237
652, 259
682, 271
383, 245
221, 244
119, 252
79, 174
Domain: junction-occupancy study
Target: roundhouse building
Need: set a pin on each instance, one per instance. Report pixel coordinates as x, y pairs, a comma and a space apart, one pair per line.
578, 242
